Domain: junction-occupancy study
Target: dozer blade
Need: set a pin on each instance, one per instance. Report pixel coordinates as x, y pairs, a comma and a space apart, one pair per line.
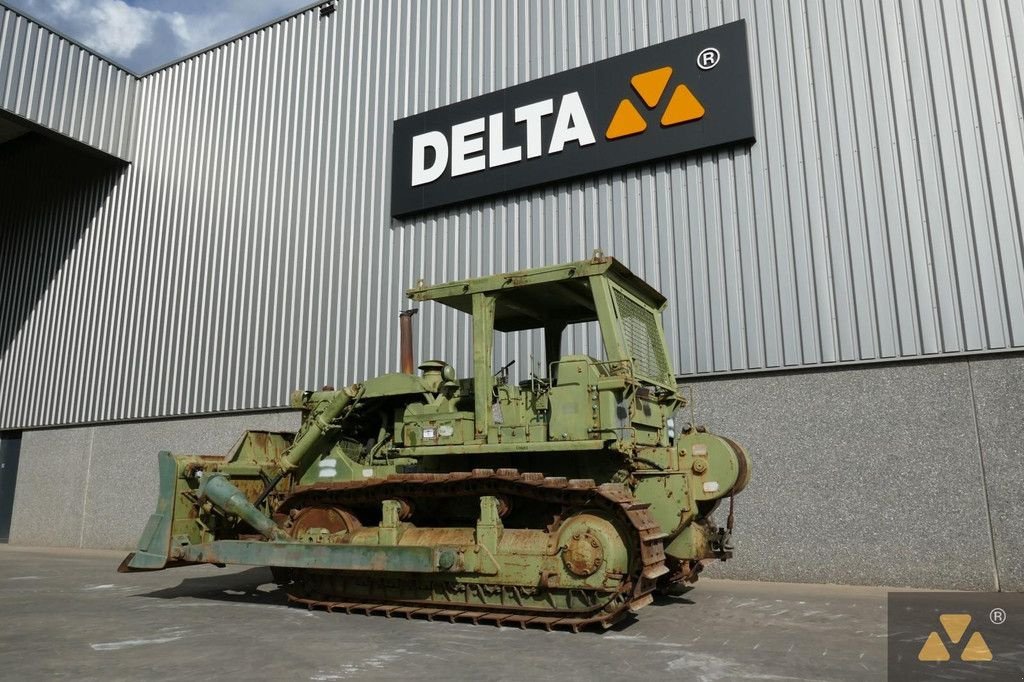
155, 543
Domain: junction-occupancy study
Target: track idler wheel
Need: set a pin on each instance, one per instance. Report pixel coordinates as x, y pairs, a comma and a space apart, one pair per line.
592, 547
325, 520
328, 519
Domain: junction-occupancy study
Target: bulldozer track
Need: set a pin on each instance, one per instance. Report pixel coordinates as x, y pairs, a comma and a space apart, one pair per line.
457, 614
635, 589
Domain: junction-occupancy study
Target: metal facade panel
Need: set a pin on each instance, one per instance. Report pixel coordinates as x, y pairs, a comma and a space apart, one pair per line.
249, 251
56, 84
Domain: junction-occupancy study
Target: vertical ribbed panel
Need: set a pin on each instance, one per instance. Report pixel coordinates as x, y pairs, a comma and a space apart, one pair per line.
56, 84
249, 249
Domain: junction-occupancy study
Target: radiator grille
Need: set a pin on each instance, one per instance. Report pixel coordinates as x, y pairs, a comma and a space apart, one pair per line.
643, 342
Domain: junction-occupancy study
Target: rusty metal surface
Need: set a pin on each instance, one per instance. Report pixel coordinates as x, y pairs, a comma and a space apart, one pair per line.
405, 340
635, 591
332, 519
299, 555
583, 554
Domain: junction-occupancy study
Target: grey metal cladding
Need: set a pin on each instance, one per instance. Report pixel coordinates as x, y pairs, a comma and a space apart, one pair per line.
56, 84
248, 249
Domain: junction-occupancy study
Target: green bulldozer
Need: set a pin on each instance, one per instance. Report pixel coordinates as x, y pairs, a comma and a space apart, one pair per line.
565, 500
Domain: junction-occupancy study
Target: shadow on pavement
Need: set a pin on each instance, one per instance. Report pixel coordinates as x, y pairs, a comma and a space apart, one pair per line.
253, 586
671, 600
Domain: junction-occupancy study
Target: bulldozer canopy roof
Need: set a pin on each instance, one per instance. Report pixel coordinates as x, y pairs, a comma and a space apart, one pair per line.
539, 297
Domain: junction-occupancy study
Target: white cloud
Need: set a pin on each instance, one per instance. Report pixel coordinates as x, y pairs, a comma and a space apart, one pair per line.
142, 37
111, 27
193, 36
118, 29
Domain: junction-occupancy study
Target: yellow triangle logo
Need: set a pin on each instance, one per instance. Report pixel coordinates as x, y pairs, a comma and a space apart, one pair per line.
682, 107
976, 649
626, 121
651, 84
933, 649
955, 625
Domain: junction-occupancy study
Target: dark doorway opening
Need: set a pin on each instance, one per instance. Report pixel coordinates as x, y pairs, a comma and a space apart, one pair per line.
10, 450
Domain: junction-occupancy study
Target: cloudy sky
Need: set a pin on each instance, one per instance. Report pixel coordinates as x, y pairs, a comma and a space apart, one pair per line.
143, 34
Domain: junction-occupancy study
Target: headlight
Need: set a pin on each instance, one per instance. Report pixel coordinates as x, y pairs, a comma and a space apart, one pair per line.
448, 373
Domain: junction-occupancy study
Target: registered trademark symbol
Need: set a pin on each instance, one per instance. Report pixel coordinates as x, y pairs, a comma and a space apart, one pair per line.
997, 616
708, 58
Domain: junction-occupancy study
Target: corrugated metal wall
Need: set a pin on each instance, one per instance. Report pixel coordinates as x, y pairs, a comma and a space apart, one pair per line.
249, 250
54, 83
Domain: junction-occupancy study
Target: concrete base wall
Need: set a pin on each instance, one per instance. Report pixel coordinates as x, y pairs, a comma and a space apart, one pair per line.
902, 475
96, 486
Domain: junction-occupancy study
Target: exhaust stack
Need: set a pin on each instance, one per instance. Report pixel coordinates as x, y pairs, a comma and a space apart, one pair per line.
405, 330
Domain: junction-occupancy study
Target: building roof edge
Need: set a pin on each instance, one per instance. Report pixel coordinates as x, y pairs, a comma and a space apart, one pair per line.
227, 41
64, 36
144, 74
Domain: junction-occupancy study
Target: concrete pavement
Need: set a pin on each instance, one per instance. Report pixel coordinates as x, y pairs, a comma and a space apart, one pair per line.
68, 614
